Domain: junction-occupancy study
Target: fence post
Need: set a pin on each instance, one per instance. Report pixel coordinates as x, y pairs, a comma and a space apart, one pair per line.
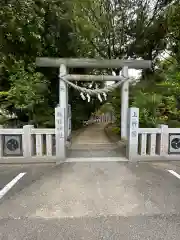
164, 140
27, 140
132, 130
1, 142
69, 123
60, 133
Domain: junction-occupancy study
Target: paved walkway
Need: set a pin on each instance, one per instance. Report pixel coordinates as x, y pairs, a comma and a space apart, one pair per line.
93, 134
93, 142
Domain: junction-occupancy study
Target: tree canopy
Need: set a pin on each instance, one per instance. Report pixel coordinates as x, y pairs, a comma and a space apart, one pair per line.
93, 28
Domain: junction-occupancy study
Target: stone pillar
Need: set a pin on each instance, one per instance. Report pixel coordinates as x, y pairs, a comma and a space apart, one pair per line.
69, 122
60, 133
61, 113
163, 144
27, 140
1, 142
124, 104
66, 111
133, 127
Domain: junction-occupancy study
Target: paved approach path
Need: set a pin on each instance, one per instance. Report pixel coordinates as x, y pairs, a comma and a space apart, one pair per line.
93, 134
93, 142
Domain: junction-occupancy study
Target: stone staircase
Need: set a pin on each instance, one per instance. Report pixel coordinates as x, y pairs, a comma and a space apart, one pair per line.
93, 146
96, 150
93, 142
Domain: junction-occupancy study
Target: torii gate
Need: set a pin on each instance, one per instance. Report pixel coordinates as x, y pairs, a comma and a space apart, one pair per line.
64, 63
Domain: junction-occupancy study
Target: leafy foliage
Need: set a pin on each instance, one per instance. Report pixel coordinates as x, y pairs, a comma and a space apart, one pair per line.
119, 29
101, 28
29, 29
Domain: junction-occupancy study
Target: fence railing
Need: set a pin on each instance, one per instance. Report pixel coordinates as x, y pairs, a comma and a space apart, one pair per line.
103, 118
149, 141
155, 143
43, 142
35, 143
27, 142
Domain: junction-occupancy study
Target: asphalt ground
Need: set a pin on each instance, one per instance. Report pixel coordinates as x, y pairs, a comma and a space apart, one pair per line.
85, 200
32, 172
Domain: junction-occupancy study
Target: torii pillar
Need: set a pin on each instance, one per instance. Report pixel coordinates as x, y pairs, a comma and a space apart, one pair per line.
61, 116
124, 104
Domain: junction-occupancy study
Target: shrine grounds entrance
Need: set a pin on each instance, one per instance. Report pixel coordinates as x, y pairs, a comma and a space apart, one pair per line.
92, 141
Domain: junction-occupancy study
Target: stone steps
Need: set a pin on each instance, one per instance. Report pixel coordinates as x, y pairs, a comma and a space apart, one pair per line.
95, 146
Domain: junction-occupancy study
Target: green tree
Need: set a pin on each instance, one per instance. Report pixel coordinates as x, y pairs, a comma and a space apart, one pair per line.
29, 29
119, 29
173, 38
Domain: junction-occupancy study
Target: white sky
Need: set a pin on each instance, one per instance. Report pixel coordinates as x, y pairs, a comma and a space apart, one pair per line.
132, 73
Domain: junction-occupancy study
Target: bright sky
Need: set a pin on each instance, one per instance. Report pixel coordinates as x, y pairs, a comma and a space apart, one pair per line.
132, 73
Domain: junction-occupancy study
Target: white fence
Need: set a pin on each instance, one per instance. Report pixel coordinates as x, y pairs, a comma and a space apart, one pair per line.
30, 144
155, 144
27, 144
149, 144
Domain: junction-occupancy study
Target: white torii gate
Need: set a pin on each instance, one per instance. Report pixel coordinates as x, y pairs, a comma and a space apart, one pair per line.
63, 64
